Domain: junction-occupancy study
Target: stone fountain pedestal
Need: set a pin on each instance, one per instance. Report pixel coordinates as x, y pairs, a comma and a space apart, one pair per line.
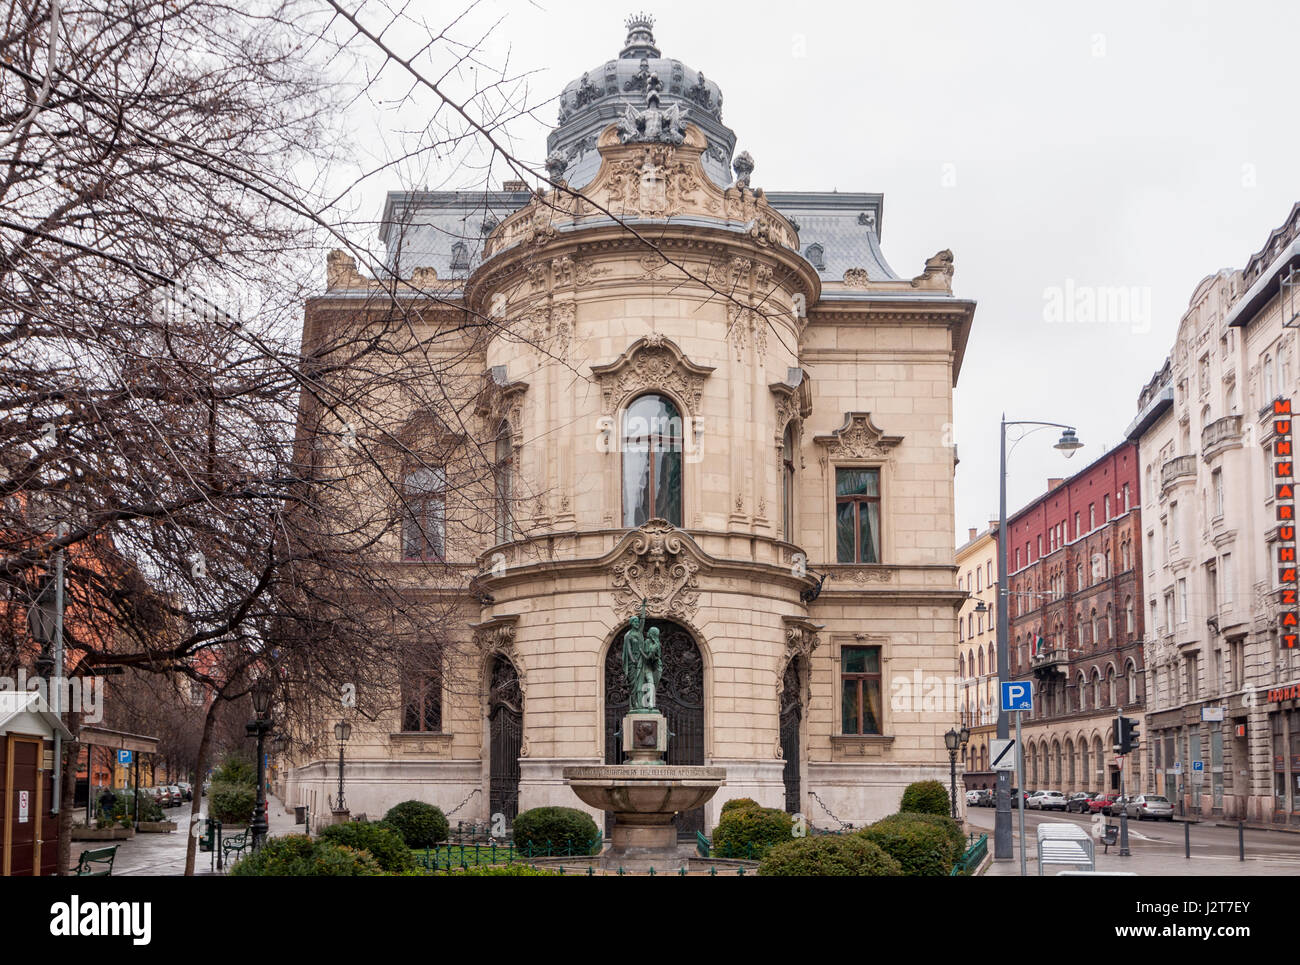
645, 795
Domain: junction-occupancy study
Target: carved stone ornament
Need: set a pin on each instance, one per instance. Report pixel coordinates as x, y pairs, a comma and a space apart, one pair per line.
937, 274
653, 123
858, 438
657, 563
651, 362
497, 635
802, 637
857, 278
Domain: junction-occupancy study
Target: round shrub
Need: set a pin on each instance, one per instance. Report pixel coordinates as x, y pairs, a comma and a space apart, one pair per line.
384, 844
828, 854
124, 808
559, 831
926, 797
950, 827
921, 849
232, 804
739, 802
235, 770
421, 825
748, 832
297, 855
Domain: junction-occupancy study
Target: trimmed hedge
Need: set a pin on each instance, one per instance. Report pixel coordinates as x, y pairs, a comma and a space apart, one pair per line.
382, 842
297, 855
828, 855
922, 849
563, 831
232, 803
750, 832
420, 825
123, 809
926, 797
501, 871
950, 827
739, 802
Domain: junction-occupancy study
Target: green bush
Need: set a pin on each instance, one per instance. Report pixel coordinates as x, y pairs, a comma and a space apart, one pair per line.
234, 769
926, 797
828, 854
297, 855
383, 843
950, 827
553, 830
421, 825
739, 802
748, 832
232, 803
921, 848
124, 807
501, 870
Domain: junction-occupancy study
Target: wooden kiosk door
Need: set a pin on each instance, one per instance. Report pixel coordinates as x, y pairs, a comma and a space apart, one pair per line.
23, 807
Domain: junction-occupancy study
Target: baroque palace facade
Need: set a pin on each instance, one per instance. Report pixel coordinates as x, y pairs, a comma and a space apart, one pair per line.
745, 426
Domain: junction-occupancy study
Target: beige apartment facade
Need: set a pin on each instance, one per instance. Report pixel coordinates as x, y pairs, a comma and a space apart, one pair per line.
740, 428
977, 653
1222, 737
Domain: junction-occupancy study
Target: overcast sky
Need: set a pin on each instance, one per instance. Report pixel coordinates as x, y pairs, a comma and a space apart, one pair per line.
1055, 148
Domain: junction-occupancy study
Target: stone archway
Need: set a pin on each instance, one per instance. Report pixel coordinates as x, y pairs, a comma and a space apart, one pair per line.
680, 697
791, 723
505, 737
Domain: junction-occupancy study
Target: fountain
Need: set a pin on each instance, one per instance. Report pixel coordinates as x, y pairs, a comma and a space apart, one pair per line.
644, 792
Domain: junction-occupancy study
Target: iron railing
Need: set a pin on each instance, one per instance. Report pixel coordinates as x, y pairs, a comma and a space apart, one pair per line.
972, 857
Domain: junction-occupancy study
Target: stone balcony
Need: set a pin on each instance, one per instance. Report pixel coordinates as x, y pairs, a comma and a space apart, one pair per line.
1050, 662
1219, 435
1177, 468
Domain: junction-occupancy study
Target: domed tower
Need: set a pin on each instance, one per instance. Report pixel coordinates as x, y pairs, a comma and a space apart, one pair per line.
713, 402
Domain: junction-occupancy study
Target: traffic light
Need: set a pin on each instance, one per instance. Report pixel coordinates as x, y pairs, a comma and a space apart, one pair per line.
1126, 735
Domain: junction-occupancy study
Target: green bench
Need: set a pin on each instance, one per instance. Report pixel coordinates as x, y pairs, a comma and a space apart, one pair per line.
97, 863
235, 845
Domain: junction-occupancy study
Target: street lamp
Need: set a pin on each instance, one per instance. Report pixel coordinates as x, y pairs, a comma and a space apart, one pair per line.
952, 740
342, 734
1069, 444
262, 692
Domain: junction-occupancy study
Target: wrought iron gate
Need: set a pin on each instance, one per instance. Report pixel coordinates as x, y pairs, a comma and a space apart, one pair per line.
506, 735
680, 697
791, 718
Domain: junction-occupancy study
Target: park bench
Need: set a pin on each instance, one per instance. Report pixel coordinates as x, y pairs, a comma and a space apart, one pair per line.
1068, 844
234, 845
96, 863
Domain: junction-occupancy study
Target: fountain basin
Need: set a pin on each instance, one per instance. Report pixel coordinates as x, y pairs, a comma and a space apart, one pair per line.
644, 798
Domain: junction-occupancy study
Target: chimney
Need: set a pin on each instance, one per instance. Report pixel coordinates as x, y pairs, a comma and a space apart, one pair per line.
973, 531
1053, 483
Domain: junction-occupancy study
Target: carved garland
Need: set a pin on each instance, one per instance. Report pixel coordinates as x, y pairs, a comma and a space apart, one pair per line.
858, 438
657, 566
651, 362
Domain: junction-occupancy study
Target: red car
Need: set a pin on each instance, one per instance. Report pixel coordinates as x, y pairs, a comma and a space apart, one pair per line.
1102, 803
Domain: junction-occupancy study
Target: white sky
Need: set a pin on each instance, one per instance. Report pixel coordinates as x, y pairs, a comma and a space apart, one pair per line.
1102, 144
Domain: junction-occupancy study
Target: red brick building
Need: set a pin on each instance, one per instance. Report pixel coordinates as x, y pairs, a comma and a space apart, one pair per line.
1076, 623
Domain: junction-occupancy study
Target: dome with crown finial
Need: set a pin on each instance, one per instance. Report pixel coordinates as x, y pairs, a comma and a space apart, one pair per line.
605, 94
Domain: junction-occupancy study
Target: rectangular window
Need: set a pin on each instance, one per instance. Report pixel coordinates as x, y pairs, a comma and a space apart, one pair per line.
424, 514
422, 695
1127, 504
1225, 579
1106, 507
1092, 516
860, 689
857, 515
1182, 601
1216, 479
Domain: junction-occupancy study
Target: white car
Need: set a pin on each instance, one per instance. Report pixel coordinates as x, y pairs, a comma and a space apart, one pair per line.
972, 797
1046, 801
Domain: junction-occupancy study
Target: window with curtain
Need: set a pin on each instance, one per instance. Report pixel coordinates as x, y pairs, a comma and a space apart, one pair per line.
422, 703
652, 461
504, 459
857, 515
787, 483
424, 515
860, 690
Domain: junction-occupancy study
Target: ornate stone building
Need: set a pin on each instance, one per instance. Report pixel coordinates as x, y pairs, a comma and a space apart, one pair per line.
742, 424
1075, 622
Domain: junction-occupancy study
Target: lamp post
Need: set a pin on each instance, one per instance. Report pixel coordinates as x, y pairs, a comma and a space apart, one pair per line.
342, 734
1068, 444
262, 692
952, 740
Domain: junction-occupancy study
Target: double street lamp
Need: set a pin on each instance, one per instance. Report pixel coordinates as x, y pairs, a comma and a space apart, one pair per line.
262, 692
952, 740
1068, 443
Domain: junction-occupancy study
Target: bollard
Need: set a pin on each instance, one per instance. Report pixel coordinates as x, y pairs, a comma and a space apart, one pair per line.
1187, 839
1241, 840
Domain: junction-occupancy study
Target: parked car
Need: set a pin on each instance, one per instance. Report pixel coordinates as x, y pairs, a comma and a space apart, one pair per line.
1100, 804
971, 798
1078, 801
1046, 801
177, 795
987, 798
187, 790
1154, 806
1117, 806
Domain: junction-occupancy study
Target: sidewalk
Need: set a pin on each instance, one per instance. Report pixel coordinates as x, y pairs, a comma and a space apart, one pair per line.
1147, 860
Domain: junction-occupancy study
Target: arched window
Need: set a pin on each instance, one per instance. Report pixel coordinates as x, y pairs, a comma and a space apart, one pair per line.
1096, 689
816, 256
787, 482
961, 665
459, 256
424, 516
1129, 624
1110, 686
504, 457
652, 461
970, 662
981, 661
1131, 685
1096, 636
1269, 390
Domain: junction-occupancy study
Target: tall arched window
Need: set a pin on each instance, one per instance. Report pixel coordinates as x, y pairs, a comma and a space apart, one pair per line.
1129, 624
504, 458
652, 461
787, 482
981, 661
424, 517
1269, 390
961, 665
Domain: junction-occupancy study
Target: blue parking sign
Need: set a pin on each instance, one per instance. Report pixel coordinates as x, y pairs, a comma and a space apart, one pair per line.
124, 757
1017, 695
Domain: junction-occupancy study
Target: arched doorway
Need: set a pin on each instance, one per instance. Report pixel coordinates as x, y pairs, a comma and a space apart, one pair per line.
505, 737
680, 697
791, 720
